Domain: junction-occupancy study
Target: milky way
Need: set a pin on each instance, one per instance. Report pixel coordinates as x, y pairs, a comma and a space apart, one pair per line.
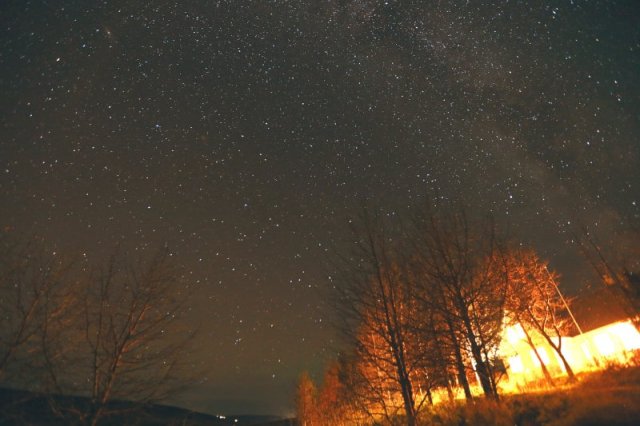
244, 134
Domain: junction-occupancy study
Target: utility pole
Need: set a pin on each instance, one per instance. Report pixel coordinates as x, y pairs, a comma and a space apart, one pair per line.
566, 305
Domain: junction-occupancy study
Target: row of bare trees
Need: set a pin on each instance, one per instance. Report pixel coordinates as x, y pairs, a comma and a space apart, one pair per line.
618, 268
104, 332
423, 305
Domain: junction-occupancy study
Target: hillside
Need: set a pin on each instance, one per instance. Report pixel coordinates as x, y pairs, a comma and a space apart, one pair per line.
23, 407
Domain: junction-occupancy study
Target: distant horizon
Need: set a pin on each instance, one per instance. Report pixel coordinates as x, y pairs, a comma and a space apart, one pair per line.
182, 406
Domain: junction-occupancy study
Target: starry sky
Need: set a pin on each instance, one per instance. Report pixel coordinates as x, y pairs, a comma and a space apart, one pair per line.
243, 134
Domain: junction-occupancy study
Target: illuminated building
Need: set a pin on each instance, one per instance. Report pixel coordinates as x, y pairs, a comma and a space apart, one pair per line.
610, 338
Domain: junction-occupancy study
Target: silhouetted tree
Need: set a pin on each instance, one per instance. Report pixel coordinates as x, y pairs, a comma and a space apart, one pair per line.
617, 267
35, 297
459, 265
534, 301
375, 303
519, 265
128, 342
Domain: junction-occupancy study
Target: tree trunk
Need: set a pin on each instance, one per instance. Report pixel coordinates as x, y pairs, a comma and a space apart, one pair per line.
429, 396
492, 378
481, 367
462, 374
476, 351
565, 363
545, 371
449, 390
405, 387
95, 416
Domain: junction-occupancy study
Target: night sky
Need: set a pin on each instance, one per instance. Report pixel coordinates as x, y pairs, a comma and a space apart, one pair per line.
243, 134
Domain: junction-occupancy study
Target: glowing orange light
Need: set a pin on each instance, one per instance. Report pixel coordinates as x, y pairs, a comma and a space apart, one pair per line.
543, 356
515, 333
589, 351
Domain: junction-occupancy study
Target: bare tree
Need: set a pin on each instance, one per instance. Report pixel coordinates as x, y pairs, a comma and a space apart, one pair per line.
460, 268
423, 307
34, 296
435, 360
617, 268
367, 394
534, 301
439, 329
127, 342
109, 333
375, 305
519, 296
